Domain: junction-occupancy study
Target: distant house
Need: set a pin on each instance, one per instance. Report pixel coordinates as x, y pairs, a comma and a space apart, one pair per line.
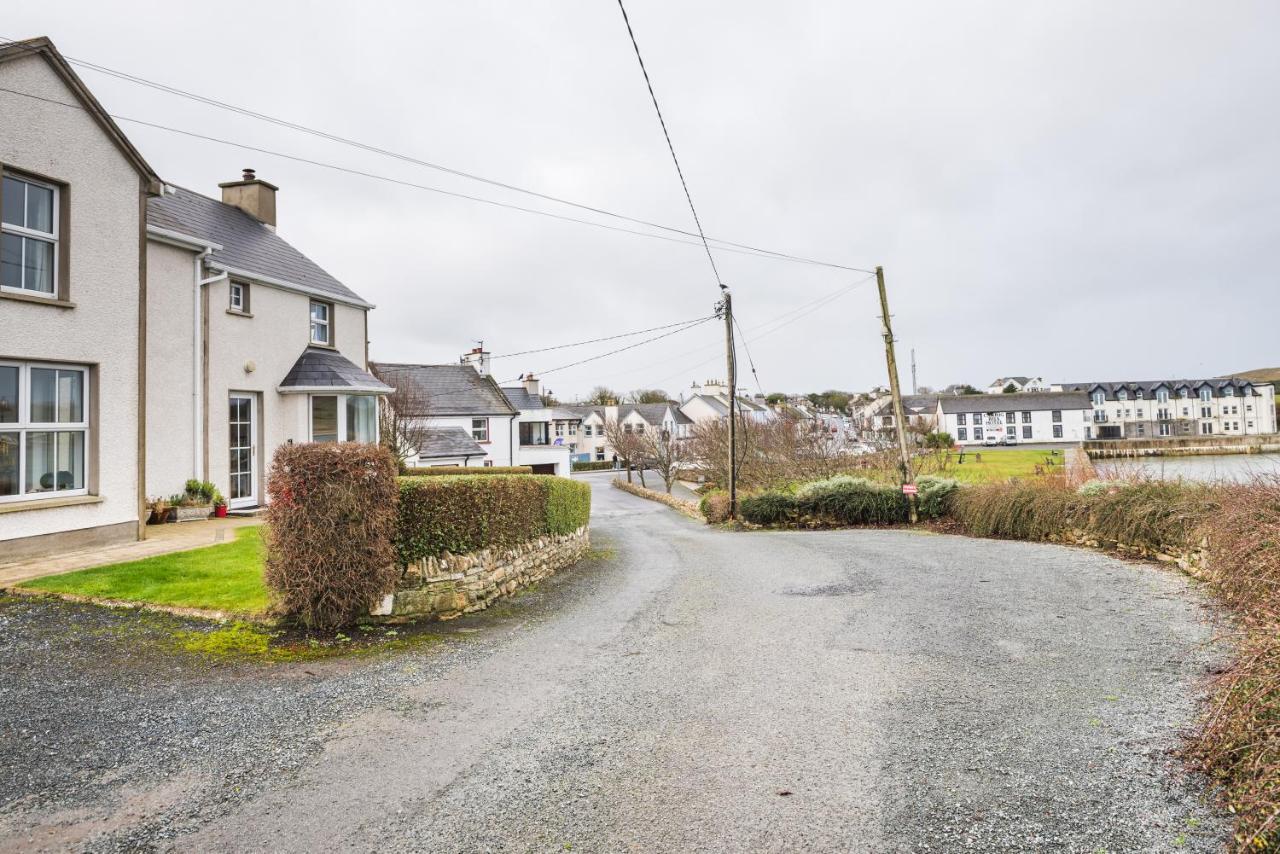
640, 418
711, 401
1022, 417
1147, 409
920, 411
999, 385
506, 425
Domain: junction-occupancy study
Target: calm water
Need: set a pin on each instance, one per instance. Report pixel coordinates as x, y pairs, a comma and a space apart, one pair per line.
1229, 467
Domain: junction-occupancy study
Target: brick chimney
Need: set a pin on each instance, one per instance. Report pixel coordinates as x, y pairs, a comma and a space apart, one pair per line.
254, 196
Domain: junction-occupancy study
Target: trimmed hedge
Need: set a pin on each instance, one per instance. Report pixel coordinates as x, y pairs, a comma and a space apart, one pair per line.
593, 465
329, 530
461, 514
443, 471
714, 506
845, 500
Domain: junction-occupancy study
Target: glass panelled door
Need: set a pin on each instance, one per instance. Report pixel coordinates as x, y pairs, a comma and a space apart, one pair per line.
242, 491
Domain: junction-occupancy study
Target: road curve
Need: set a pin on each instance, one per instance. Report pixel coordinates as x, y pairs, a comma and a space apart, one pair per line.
697, 690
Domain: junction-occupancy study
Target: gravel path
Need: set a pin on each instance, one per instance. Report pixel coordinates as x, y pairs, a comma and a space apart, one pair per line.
689, 690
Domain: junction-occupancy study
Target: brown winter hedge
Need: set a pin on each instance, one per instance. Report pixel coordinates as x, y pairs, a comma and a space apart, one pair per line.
468, 513
1238, 741
331, 522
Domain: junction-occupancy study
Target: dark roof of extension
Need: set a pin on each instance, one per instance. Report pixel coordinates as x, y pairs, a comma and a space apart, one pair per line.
45, 49
521, 399
441, 442
322, 368
912, 404
248, 247
1148, 387
1022, 400
452, 389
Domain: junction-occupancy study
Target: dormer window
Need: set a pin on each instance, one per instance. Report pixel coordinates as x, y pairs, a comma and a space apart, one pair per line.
321, 323
1099, 397
1228, 392
1184, 393
1162, 395
1139, 395
1122, 395
1206, 393
28, 236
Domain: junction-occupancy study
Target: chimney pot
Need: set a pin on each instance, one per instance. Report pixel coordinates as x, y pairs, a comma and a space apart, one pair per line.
249, 175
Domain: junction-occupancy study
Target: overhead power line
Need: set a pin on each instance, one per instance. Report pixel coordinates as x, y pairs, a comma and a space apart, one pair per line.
666, 134
332, 137
596, 340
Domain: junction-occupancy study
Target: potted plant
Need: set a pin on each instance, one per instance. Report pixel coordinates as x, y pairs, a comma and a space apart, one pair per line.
159, 510
196, 501
219, 505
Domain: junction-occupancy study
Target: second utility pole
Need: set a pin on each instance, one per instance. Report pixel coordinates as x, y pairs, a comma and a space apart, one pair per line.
732, 363
899, 418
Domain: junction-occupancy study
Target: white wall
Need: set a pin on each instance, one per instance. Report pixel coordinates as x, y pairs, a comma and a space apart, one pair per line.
498, 447
102, 328
171, 354
1073, 424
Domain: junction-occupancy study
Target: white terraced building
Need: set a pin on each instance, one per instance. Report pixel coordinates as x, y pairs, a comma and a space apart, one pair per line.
1022, 417
1156, 409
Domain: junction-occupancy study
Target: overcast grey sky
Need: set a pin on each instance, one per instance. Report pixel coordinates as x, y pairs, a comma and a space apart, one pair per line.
1081, 190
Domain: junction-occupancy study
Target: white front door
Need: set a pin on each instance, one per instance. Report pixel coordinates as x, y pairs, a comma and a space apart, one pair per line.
243, 488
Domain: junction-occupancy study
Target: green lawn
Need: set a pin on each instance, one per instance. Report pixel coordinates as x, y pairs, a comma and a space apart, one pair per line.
998, 464
225, 577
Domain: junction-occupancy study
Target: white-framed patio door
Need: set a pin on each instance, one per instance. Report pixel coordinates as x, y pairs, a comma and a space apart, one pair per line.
242, 491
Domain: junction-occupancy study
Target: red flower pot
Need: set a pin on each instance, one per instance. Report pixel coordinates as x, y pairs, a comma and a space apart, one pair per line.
220, 511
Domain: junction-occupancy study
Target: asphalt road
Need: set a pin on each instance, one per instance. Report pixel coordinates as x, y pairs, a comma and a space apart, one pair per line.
687, 690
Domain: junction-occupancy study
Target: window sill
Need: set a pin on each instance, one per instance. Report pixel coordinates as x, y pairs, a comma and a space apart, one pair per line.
234, 313
322, 346
47, 503
53, 301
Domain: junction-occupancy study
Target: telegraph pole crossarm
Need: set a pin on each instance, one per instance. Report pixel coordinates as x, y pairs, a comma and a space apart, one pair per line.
899, 416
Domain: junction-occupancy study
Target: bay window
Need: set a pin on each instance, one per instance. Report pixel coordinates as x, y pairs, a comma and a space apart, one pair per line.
28, 236
344, 417
44, 430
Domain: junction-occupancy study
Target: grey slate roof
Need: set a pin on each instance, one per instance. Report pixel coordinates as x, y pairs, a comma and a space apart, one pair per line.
1148, 387
651, 412
452, 389
1022, 400
449, 442
912, 404
321, 368
247, 245
521, 399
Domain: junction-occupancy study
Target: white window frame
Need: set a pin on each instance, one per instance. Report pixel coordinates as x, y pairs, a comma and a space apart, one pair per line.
326, 324
52, 237
485, 430
342, 417
25, 425
238, 297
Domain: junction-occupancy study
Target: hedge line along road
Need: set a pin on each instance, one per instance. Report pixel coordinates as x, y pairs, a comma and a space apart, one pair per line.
687, 689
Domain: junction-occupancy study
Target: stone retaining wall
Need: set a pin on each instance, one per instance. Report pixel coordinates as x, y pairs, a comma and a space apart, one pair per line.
452, 585
1190, 558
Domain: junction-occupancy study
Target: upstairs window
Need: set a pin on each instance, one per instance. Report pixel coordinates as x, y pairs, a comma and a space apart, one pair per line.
1056, 416
321, 323
1122, 395
1162, 395
1026, 417
1228, 392
239, 302
960, 418
28, 236
1099, 397
1206, 394
480, 429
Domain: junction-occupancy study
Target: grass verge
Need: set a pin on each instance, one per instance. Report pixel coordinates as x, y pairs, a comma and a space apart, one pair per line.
225, 577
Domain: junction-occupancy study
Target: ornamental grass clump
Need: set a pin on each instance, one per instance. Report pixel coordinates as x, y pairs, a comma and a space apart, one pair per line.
331, 523
845, 500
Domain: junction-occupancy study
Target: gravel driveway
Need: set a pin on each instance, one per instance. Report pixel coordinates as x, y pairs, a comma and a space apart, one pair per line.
689, 690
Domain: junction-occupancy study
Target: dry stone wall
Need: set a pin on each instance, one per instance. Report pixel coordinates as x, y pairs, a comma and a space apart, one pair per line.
452, 585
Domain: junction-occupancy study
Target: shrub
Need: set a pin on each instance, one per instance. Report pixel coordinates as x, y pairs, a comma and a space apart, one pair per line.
331, 521
714, 506
767, 508
848, 500
568, 504
463, 514
593, 465
934, 498
1024, 511
444, 471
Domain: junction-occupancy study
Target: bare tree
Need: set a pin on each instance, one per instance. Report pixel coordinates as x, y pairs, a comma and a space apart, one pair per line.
404, 415
664, 453
628, 445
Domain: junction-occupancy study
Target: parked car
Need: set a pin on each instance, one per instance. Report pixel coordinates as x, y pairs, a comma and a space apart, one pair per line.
1010, 439
991, 440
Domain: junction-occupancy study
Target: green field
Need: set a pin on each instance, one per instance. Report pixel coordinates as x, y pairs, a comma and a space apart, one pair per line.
226, 577
997, 464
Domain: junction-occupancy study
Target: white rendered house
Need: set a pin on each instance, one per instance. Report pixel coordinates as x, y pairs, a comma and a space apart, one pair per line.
1051, 417
1170, 409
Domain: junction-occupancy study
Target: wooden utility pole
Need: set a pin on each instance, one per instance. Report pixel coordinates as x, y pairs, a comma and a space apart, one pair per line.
899, 417
732, 364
